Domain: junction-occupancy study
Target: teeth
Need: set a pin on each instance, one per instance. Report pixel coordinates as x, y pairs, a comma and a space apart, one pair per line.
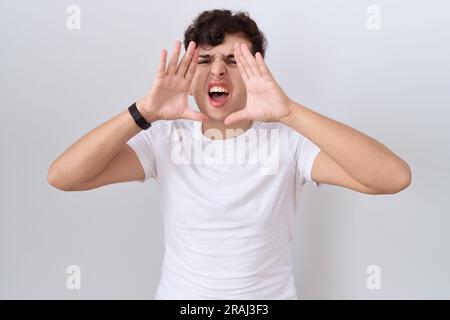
218, 89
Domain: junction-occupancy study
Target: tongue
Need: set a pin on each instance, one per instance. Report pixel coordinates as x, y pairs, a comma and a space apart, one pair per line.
219, 97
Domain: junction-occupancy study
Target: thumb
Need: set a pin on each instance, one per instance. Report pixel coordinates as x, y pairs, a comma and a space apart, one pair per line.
194, 115
236, 117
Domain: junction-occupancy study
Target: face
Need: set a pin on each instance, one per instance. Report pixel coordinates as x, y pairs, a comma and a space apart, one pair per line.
217, 68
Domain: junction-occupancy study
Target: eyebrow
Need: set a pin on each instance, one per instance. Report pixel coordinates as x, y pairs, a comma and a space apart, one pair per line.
208, 56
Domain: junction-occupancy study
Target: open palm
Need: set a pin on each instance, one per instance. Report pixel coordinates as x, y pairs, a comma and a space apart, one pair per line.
266, 101
168, 97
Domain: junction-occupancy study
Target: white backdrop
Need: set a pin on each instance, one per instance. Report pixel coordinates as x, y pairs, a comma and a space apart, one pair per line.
382, 67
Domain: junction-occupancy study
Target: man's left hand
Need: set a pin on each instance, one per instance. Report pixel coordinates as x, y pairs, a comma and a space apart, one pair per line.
266, 101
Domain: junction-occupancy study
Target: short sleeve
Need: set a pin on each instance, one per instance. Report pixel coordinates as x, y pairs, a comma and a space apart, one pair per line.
143, 145
306, 154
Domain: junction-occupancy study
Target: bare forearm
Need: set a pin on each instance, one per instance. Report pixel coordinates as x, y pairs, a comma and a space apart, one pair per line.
362, 157
89, 155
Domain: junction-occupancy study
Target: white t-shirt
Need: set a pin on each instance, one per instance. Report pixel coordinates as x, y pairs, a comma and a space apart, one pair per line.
228, 207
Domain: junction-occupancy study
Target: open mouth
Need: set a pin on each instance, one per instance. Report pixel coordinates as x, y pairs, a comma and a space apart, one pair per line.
218, 93
218, 99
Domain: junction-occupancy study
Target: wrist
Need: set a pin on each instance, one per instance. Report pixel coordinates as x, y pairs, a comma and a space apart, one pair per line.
143, 109
291, 115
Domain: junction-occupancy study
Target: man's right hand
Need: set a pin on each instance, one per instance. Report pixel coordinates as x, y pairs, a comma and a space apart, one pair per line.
168, 96
102, 156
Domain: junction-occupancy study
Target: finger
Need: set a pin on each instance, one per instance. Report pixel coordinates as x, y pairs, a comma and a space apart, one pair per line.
194, 115
184, 63
251, 62
162, 65
174, 58
263, 67
192, 67
236, 117
244, 63
237, 55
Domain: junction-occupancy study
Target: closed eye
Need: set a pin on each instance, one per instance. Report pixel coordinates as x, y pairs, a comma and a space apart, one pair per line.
208, 61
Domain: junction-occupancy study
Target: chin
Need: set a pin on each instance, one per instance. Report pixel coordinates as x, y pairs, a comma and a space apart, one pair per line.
216, 114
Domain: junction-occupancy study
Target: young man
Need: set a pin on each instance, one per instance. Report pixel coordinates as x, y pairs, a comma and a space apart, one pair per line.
227, 220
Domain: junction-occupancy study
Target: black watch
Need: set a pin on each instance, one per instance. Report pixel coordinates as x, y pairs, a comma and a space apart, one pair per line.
138, 118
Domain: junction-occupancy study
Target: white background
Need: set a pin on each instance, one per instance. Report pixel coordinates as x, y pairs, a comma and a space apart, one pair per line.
57, 84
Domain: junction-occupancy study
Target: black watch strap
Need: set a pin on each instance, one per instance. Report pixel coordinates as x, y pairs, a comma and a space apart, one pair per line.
138, 118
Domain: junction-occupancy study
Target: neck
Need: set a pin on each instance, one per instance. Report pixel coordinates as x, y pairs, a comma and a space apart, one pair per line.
226, 132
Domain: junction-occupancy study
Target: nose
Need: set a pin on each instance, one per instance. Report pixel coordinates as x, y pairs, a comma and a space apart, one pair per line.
218, 68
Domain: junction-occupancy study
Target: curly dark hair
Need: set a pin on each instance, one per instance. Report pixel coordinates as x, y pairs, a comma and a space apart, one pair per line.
210, 28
